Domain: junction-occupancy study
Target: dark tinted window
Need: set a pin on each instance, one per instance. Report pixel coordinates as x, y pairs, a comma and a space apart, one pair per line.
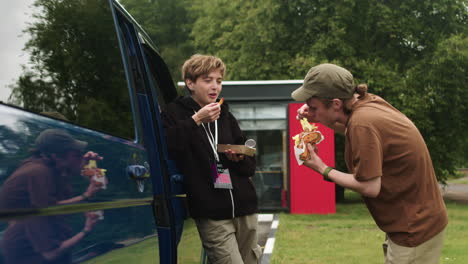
63, 56
161, 77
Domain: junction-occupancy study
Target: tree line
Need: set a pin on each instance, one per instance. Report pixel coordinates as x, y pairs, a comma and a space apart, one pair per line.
411, 52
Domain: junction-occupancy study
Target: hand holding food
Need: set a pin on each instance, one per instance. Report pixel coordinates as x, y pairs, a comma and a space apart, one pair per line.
310, 134
207, 114
91, 219
233, 156
90, 155
304, 112
96, 175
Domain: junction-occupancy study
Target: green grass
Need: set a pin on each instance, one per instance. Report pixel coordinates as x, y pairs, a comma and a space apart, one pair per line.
456, 242
144, 252
189, 250
351, 236
463, 180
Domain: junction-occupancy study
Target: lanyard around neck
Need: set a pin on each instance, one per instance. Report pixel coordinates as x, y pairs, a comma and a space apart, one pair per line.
212, 139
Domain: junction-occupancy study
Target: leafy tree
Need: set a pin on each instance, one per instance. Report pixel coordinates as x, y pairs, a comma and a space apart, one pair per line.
274, 38
400, 48
250, 36
76, 66
386, 44
438, 100
168, 23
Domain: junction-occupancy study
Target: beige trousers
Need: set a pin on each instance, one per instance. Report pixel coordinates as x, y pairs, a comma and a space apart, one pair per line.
232, 241
426, 253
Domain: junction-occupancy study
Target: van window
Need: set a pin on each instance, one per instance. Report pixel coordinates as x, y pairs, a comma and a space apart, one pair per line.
66, 63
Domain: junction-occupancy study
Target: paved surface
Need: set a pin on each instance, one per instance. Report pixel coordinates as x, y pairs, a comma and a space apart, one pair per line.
456, 192
263, 229
267, 225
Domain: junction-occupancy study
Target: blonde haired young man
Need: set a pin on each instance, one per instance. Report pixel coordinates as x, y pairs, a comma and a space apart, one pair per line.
224, 207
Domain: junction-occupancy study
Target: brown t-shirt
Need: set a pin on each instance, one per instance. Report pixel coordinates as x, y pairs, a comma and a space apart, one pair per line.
383, 142
35, 184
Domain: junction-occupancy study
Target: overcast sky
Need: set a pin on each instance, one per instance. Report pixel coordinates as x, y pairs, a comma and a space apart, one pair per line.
12, 21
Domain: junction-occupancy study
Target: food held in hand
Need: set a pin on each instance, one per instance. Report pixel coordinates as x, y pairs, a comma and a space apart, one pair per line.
99, 215
95, 174
87, 171
310, 134
221, 101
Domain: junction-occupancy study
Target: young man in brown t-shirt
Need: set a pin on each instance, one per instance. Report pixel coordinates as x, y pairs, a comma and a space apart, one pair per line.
387, 158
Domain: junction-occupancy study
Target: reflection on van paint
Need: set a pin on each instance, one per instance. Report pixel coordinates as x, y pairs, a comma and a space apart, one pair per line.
53, 185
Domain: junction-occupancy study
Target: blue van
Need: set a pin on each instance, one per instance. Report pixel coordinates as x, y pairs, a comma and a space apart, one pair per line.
84, 171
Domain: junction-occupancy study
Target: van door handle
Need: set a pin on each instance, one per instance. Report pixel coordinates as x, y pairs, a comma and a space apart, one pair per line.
139, 174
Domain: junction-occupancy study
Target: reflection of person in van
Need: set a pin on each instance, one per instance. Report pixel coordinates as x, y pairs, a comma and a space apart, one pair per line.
41, 181
222, 202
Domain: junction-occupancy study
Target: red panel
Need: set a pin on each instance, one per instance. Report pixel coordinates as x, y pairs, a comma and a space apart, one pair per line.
309, 193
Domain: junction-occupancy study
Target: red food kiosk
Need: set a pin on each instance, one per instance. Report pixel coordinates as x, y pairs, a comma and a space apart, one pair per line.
308, 192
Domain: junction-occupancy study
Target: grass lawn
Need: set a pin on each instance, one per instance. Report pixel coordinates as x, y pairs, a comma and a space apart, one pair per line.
463, 180
189, 250
144, 252
351, 236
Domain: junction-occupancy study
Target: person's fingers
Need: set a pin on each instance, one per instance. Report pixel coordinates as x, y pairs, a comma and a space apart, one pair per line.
233, 156
213, 107
209, 113
312, 149
300, 113
90, 155
230, 155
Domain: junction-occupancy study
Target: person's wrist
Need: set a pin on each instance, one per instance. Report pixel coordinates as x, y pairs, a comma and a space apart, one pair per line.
85, 231
325, 173
84, 196
320, 168
196, 119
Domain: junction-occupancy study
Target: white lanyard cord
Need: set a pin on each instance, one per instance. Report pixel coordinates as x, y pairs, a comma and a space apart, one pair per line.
213, 140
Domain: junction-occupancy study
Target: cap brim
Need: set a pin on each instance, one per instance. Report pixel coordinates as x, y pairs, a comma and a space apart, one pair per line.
80, 145
300, 94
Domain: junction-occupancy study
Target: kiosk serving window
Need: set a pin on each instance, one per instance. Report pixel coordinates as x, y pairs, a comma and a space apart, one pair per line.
266, 124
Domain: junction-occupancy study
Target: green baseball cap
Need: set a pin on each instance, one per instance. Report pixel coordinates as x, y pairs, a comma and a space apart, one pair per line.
326, 81
58, 141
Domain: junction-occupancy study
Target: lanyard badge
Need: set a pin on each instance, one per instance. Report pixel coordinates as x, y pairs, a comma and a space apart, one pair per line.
220, 174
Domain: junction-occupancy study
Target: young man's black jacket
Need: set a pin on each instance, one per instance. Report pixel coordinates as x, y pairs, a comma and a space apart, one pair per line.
189, 146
